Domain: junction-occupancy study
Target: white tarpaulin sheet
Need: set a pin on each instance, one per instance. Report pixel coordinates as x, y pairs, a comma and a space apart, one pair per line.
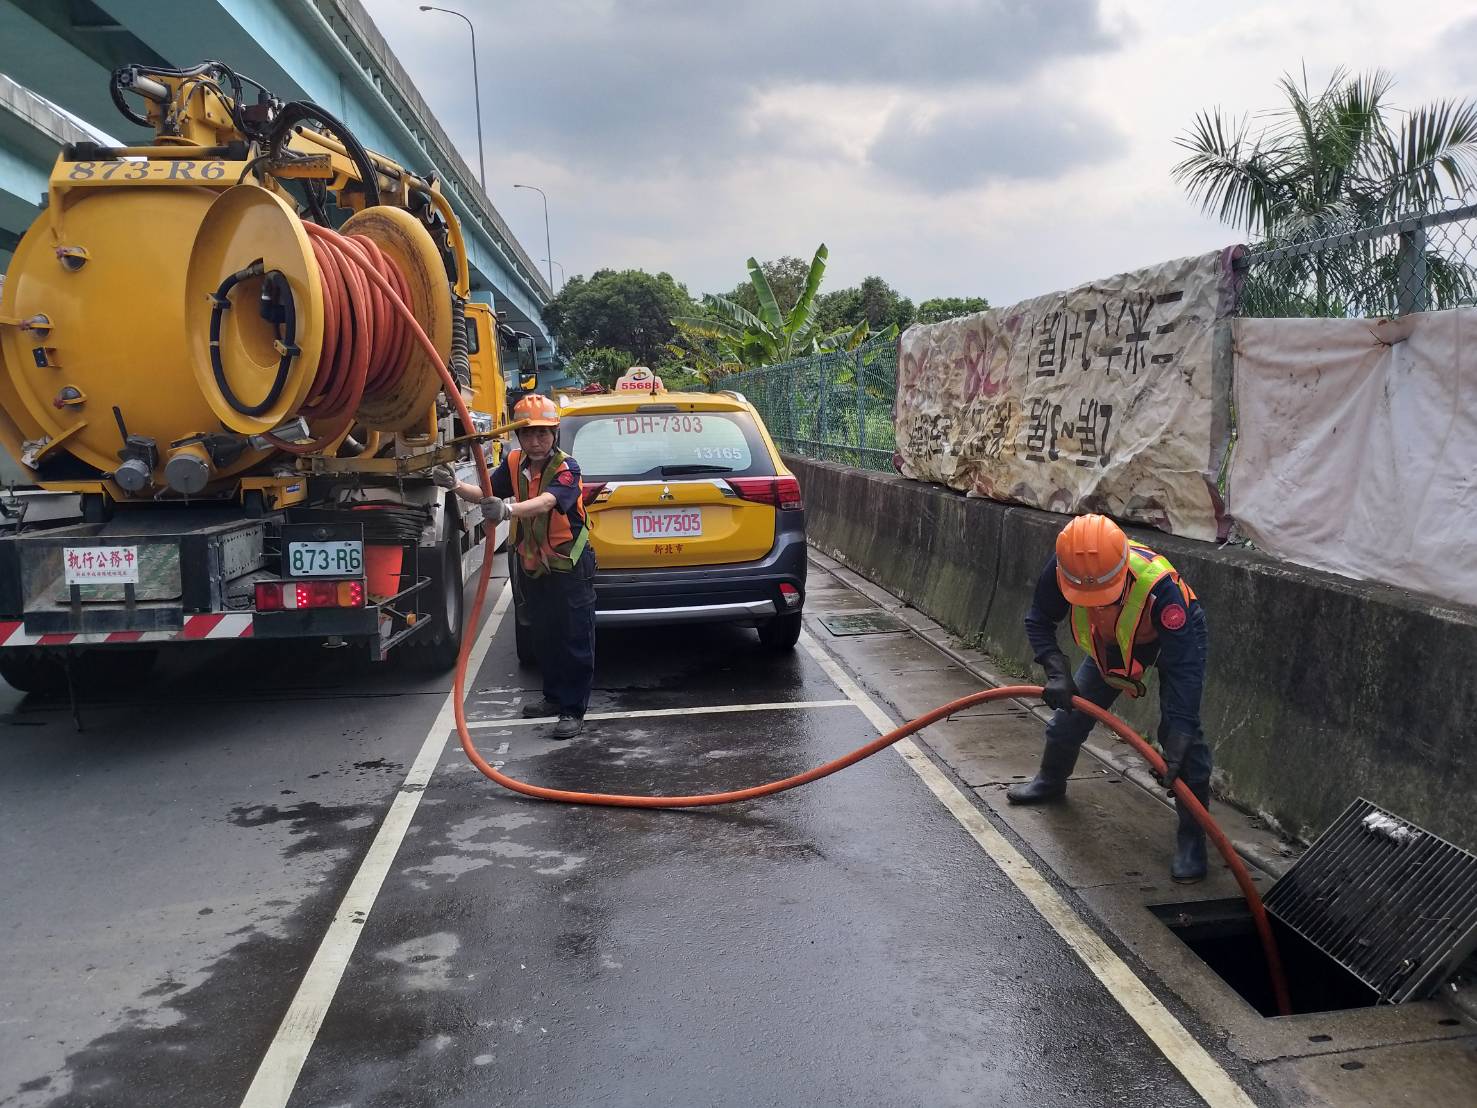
1098, 399
1356, 446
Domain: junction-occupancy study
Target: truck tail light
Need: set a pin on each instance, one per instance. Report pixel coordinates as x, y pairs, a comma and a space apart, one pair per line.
277, 596
782, 492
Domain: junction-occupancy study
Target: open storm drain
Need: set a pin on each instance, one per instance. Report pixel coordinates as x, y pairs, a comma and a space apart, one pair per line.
1377, 911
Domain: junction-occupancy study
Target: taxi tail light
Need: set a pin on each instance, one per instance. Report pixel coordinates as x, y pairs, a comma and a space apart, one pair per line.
592, 491
277, 596
790, 595
782, 492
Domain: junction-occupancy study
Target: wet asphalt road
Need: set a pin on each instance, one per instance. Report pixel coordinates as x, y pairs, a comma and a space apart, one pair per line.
170, 871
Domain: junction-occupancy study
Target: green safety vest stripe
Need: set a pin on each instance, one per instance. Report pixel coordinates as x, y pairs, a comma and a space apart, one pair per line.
544, 556
1146, 573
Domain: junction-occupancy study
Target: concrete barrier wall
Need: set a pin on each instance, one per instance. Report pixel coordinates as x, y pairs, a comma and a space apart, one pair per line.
1320, 689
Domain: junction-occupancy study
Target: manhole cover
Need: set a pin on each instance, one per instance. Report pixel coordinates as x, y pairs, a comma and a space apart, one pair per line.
863, 623
1390, 902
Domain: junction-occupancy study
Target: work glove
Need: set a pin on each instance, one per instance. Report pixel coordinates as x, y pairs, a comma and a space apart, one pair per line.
1060, 687
444, 477
495, 509
1174, 746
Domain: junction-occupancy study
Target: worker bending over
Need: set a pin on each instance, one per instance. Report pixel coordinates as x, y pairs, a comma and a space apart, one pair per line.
1129, 610
538, 487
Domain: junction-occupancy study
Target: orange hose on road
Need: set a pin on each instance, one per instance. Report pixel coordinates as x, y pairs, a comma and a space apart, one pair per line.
619, 800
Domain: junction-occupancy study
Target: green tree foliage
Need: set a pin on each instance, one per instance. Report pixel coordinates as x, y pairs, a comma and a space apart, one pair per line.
627, 311
730, 336
1329, 161
873, 302
786, 277
941, 308
600, 365
1328, 154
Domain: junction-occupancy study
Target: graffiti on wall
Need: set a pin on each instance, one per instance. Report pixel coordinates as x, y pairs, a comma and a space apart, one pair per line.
1098, 398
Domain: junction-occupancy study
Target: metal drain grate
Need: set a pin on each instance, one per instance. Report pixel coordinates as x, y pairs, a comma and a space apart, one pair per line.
1392, 903
867, 623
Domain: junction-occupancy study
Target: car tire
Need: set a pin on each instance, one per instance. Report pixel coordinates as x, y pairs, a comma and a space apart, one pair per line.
30, 672
781, 633
118, 669
436, 651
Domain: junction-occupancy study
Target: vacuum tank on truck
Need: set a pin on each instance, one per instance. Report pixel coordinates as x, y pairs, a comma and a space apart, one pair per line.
193, 348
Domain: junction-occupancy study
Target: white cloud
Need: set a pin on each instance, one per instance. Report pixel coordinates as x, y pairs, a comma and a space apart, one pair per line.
999, 147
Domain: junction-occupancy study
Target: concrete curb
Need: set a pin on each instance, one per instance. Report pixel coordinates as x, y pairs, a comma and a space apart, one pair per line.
1267, 857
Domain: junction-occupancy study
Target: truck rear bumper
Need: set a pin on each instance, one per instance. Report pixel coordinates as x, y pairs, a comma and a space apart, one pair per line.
212, 626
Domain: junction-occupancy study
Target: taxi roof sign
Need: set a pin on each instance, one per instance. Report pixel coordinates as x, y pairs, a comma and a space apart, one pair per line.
639, 379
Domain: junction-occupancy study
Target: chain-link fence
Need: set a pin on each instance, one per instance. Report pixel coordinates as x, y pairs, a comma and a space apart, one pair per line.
836, 407
1361, 269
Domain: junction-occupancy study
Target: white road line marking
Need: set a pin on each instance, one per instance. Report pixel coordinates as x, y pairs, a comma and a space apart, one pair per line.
717, 709
280, 1066
1205, 1075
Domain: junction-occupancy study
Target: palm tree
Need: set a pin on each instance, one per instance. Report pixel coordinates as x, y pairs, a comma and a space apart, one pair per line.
1329, 162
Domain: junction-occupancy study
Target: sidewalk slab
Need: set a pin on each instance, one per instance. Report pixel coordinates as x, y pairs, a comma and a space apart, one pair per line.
1419, 1075
1105, 832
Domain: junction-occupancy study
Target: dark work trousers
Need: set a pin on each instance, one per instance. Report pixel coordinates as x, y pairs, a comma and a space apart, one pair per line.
1072, 728
561, 613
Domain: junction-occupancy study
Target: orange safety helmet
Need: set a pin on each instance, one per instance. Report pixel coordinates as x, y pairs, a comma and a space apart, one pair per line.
1091, 561
538, 410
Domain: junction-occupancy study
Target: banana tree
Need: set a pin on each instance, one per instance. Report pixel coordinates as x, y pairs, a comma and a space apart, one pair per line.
763, 338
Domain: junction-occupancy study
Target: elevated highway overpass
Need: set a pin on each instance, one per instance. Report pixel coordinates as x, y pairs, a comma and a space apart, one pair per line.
327, 51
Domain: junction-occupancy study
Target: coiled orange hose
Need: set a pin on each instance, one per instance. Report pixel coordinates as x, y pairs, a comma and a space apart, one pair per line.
563, 796
365, 339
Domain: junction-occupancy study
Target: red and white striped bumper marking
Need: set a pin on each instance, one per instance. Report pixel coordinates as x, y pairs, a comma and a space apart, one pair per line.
230, 625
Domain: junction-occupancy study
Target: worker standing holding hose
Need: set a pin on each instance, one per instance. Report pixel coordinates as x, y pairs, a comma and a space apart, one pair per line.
1129, 610
538, 487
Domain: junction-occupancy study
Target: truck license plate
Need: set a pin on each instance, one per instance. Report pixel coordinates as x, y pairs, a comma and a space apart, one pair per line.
667, 523
324, 559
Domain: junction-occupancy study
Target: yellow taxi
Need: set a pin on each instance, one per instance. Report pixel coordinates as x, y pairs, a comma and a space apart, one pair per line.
693, 515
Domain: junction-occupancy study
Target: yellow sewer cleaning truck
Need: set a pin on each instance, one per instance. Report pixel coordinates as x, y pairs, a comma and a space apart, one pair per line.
205, 350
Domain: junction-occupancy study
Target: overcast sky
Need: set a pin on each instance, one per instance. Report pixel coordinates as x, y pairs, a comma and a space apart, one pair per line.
1002, 148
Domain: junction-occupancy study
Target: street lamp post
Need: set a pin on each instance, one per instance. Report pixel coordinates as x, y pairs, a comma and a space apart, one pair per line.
562, 278
476, 90
547, 248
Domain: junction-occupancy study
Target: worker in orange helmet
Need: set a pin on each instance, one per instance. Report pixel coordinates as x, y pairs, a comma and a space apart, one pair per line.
1129, 610
538, 487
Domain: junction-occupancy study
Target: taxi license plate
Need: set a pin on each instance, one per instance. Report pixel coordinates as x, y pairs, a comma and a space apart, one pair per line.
324, 559
666, 523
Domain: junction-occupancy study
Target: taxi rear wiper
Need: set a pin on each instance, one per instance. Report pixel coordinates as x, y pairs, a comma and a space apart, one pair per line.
675, 471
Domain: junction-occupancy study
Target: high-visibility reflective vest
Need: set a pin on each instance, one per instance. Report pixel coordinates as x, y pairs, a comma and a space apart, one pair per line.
1145, 570
547, 541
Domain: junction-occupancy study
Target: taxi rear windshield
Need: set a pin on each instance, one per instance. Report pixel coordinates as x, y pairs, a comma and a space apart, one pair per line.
665, 445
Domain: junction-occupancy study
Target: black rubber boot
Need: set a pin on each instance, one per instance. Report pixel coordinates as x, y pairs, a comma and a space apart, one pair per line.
1050, 783
568, 727
1189, 840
